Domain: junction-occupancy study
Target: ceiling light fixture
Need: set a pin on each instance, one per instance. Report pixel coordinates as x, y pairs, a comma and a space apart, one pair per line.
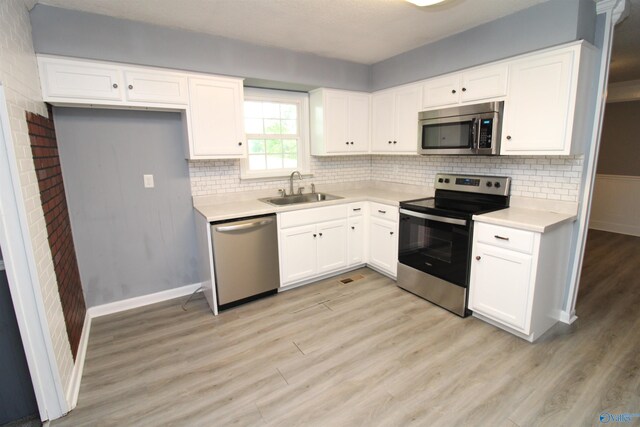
422, 3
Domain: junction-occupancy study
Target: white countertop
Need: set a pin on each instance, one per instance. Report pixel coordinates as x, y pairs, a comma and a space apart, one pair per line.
526, 219
219, 210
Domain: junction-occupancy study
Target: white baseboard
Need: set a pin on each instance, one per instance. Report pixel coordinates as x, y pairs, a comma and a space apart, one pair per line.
615, 205
76, 374
128, 304
568, 318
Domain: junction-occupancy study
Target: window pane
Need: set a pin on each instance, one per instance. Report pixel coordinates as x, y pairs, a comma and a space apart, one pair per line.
256, 146
288, 111
274, 161
289, 127
274, 146
253, 126
290, 145
271, 110
272, 127
257, 162
290, 160
253, 109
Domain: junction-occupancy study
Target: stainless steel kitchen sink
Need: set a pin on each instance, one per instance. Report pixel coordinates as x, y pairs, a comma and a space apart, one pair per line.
299, 198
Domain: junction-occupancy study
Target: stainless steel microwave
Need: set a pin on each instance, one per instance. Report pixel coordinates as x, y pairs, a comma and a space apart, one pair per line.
465, 130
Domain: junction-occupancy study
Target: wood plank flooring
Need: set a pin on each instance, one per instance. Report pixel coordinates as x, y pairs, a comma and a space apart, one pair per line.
368, 353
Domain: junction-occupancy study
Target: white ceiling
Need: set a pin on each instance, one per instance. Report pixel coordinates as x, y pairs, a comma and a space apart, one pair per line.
365, 31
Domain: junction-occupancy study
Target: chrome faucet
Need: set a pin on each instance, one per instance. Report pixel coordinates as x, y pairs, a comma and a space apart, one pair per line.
291, 181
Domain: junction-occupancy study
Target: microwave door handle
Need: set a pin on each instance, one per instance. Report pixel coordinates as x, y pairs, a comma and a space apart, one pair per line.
475, 134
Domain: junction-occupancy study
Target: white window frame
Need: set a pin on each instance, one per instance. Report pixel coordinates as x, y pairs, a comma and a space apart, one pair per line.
304, 158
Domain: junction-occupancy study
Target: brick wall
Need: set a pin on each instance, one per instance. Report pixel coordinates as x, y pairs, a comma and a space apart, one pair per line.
44, 148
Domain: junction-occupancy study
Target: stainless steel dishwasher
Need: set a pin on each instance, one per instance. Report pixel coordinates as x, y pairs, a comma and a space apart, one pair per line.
245, 258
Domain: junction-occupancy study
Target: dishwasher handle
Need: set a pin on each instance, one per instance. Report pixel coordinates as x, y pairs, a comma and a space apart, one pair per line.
245, 226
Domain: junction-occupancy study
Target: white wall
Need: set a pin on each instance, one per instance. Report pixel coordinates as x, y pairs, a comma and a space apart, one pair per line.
19, 76
547, 177
616, 204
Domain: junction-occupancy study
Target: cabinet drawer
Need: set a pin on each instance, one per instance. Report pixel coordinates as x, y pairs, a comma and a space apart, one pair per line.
312, 216
504, 237
384, 211
356, 209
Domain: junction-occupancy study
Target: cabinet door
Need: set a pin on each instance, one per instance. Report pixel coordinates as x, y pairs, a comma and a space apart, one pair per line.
441, 91
408, 100
332, 246
156, 87
358, 133
298, 252
355, 241
383, 245
336, 126
383, 121
500, 285
216, 118
484, 83
536, 116
82, 81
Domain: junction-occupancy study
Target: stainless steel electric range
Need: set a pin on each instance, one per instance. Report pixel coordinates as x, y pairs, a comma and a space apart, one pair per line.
435, 237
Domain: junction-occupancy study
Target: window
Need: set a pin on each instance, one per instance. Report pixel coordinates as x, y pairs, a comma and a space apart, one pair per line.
276, 126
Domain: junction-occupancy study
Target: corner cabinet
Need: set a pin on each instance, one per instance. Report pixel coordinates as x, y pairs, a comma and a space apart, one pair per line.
339, 122
394, 120
215, 118
518, 277
548, 95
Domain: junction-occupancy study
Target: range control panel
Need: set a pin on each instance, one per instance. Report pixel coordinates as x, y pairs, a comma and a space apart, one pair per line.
498, 185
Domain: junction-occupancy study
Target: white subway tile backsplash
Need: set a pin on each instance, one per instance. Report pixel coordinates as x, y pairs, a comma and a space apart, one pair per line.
549, 177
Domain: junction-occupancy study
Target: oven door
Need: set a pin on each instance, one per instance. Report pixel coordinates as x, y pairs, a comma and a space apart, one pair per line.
448, 135
435, 245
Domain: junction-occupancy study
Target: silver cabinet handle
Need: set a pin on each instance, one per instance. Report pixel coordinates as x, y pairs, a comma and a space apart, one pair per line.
434, 217
501, 238
244, 226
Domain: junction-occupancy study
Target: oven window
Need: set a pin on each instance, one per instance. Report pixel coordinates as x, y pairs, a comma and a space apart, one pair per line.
437, 248
447, 135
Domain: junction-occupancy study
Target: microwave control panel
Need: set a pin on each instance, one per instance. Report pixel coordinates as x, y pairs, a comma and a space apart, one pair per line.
486, 133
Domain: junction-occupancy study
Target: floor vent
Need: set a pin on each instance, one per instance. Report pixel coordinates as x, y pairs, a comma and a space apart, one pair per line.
351, 279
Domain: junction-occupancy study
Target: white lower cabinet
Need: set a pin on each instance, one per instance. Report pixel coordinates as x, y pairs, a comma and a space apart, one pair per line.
355, 241
332, 246
518, 277
298, 252
383, 238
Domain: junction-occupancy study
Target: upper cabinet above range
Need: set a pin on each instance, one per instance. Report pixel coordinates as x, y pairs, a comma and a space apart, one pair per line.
339, 122
473, 85
212, 106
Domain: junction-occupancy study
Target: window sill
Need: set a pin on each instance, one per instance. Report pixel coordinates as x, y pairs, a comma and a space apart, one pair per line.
277, 176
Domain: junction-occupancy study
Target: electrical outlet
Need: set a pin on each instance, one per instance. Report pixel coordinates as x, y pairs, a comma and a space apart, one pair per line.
148, 181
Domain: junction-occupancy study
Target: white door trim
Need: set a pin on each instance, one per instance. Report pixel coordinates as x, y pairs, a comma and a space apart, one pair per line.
24, 285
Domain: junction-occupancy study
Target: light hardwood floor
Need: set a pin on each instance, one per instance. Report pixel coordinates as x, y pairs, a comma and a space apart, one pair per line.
368, 353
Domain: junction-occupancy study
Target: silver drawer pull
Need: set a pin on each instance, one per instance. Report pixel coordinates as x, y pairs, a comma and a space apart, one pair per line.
382, 212
501, 238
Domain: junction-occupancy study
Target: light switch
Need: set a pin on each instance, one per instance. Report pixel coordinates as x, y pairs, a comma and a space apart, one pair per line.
148, 181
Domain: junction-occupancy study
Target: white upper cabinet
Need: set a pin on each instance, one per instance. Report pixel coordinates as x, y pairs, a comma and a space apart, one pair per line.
394, 116
473, 85
215, 118
151, 86
339, 122
71, 81
545, 110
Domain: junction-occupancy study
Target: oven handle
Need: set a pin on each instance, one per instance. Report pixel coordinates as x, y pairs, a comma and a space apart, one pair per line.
438, 218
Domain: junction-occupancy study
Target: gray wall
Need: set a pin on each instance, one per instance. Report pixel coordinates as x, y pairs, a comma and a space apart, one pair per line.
80, 34
620, 145
130, 241
547, 24
17, 399
66, 32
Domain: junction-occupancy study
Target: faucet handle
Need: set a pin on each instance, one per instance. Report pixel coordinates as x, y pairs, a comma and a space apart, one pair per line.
300, 190
313, 188
282, 192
